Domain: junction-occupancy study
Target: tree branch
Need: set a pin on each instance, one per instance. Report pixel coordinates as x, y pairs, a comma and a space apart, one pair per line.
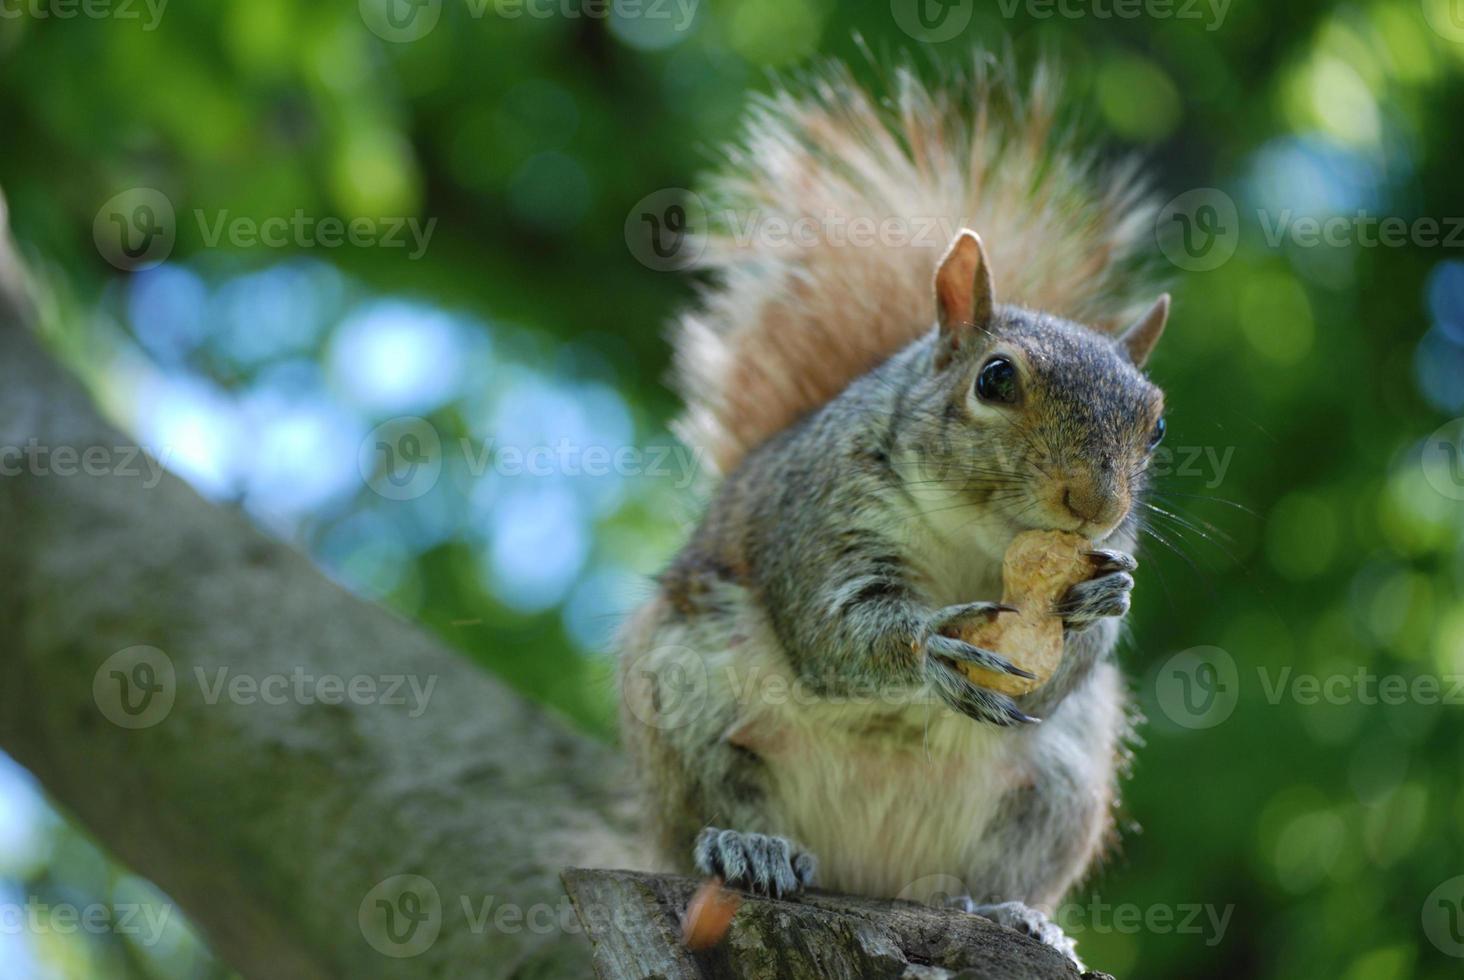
634, 923
270, 824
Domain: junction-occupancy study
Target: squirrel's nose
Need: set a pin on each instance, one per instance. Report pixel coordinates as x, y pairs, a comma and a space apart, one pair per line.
1094, 504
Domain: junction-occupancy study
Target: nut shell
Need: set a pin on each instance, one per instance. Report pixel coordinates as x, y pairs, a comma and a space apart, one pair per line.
1037, 570
709, 914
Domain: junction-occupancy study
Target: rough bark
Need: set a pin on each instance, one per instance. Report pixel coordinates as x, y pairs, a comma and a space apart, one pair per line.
634, 922
364, 838
271, 824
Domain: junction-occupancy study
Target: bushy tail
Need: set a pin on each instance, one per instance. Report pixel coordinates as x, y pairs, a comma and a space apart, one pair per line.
831, 214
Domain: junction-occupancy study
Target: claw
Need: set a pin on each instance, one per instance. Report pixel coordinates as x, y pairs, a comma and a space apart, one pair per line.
962, 652
1108, 560
972, 700
953, 617
1021, 717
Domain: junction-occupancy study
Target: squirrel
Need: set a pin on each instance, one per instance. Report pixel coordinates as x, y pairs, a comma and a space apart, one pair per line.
882, 428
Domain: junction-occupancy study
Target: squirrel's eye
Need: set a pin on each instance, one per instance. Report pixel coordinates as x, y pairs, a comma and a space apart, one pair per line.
997, 381
1157, 436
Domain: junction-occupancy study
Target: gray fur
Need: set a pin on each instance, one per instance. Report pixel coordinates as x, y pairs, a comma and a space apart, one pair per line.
838, 550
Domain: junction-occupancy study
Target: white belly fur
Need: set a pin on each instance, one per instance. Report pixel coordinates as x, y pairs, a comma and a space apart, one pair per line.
898, 799
893, 800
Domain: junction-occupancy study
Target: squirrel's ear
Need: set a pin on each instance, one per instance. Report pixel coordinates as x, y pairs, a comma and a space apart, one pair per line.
964, 300
1139, 339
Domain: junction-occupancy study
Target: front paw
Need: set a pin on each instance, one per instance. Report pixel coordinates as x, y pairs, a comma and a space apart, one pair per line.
1106, 594
761, 863
944, 658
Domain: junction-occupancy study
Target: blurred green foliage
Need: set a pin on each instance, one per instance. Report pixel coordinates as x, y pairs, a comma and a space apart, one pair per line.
1309, 539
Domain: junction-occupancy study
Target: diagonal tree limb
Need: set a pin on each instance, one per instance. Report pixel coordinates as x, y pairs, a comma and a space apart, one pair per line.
270, 823
633, 920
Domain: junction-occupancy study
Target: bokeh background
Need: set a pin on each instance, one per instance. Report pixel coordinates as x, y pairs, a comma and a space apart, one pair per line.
1315, 486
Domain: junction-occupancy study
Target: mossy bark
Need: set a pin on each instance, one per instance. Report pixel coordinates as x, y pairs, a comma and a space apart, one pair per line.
634, 922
